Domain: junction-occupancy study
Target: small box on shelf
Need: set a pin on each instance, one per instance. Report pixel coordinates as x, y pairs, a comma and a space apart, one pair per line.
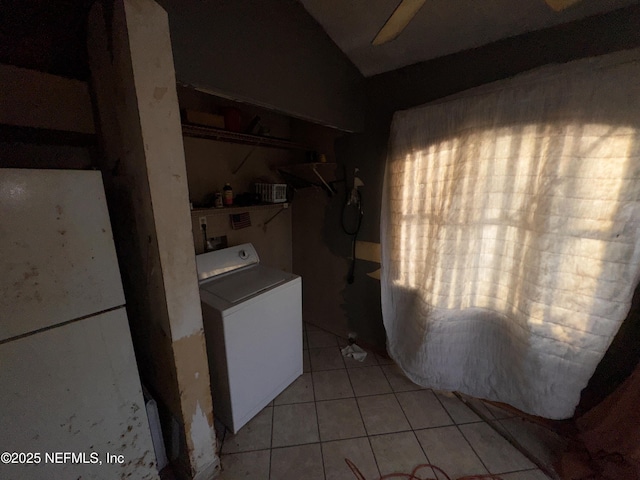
203, 118
272, 192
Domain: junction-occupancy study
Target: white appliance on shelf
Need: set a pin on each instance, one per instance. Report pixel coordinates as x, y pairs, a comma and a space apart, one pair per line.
253, 327
68, 374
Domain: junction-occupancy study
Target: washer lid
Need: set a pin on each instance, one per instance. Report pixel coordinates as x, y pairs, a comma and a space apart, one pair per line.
223, 261
237, 286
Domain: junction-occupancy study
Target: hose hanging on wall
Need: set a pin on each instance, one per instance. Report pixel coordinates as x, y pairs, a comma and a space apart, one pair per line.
354, 202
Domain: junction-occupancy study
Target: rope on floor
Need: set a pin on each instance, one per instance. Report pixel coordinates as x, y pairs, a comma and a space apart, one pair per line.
414, 473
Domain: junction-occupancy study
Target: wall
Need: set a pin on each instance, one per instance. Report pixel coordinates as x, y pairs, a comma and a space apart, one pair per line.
270, 53
270, 232
322, 250
427, 81
40, 100
211, 164
320, 257
418, 84
46, 121
298, 238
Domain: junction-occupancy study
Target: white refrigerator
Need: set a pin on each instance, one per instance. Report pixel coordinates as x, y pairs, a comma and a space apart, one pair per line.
71, 402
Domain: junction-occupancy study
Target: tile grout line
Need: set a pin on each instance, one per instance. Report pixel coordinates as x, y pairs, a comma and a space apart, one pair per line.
487, 418
512, 441
424, 451
395, 393
408, 422
224, 436
508, 436
368, 437
460, 430
273, 408
453, 422
473, 449
523, 470
315, 406
400, 404
293, 403
335, 337
462, 433
324, 473
251, 450
346, 371
326, 348
465, 437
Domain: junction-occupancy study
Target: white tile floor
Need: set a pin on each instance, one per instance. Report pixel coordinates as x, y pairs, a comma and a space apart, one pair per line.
371, 414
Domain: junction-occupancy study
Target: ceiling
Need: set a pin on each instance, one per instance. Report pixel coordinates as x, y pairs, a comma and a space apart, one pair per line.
441, 27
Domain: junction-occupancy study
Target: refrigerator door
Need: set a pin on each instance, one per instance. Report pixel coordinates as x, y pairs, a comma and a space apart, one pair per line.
75, 388
57, 256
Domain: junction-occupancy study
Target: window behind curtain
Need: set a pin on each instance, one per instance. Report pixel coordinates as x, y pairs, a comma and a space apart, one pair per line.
510, 233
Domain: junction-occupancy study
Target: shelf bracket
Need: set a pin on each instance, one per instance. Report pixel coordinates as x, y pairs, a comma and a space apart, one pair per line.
315, 170
264, 225
253, 149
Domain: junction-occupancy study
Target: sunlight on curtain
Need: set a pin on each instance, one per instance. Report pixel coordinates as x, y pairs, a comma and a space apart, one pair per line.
510, 233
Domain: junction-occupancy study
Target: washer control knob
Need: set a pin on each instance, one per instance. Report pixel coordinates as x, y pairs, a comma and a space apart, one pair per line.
243, 254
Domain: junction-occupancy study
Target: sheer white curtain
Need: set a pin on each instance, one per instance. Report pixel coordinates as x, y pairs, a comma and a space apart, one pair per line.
510, 242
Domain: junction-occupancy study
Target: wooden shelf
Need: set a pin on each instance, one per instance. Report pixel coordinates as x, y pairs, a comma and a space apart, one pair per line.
307, 174
210, 133
198, 212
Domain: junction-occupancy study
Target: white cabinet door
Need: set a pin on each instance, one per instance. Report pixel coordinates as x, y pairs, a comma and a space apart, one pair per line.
57, 257
75, 388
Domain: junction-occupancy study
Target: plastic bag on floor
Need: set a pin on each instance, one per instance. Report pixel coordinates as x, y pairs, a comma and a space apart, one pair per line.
355, 352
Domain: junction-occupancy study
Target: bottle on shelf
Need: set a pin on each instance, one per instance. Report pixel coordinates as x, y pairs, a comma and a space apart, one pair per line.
227, 195
218, 200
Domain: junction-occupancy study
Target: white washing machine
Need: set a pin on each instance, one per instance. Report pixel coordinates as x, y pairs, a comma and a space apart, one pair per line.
253, 327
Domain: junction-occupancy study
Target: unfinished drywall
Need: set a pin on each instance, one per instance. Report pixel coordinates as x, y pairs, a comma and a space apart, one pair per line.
211, 164
270, 231
418, 84
270, 53
322, 250
321, 262
145, 179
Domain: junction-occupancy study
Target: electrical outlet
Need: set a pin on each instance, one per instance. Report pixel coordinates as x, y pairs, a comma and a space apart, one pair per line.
203, 221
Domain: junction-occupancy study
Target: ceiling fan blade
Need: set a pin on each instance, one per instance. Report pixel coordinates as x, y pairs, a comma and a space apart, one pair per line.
399, 19
559, 5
